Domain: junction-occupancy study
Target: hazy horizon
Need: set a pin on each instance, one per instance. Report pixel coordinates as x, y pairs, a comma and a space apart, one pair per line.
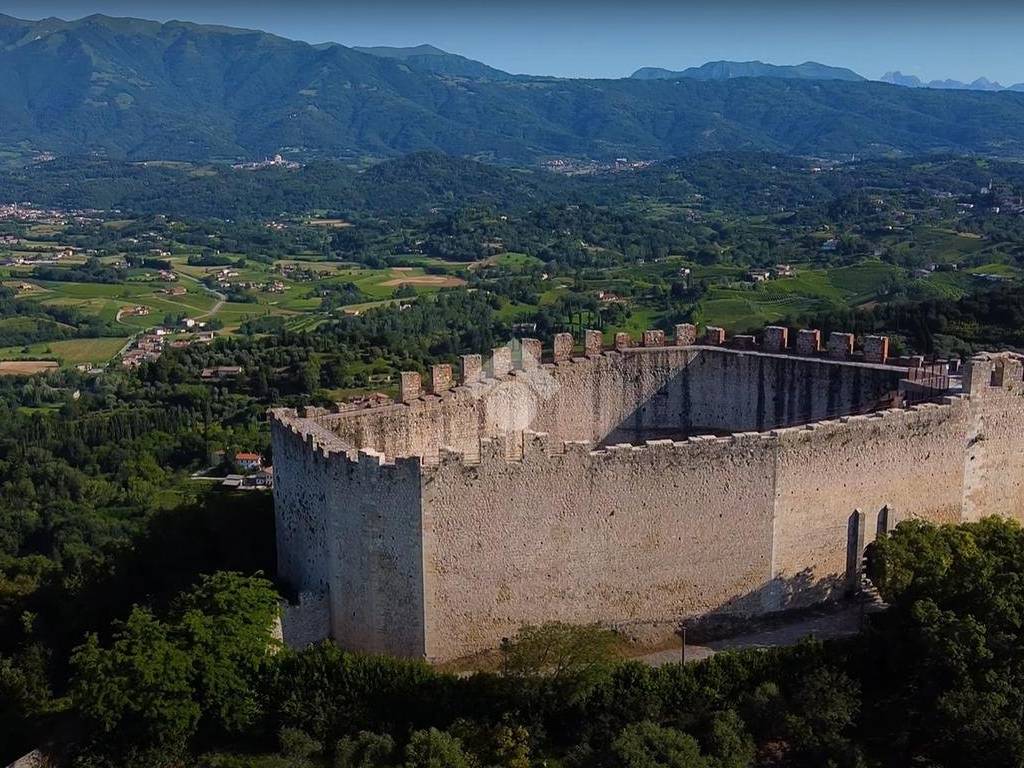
610, 40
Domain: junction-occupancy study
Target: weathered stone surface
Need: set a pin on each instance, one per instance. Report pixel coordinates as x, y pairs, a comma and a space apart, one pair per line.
840, 345
622, 341
876, 349
593, 343
532, 351
472, 368
808, 341
654, 338
775, 339
441, 379
686, 334
500, 363
410, 386
714, 336
563, 345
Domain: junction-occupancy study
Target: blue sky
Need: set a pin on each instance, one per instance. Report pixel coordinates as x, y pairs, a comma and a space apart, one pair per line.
940, 39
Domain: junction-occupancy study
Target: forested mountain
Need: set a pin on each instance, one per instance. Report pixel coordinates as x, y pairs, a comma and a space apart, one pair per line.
143, 90
726, 70
427, 58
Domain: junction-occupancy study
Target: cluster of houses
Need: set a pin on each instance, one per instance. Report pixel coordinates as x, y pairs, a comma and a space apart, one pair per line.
1001, 201
301, 274
145, 349
276, 162
149, 346
252, 476
777, 272
29, 213
42, 257
223, 280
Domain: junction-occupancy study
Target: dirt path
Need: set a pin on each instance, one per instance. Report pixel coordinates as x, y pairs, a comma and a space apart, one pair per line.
843, 622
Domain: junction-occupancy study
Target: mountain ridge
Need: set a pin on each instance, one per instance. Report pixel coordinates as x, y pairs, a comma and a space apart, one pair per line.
727, 70
133, 89
433, 60
896, 77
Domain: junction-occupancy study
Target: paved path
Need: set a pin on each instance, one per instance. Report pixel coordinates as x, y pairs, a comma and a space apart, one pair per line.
825, 626
221, 298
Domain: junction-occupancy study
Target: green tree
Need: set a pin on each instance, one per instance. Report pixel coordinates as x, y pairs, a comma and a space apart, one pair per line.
138, 691
364, 750
648, 745
226, 625
435, 749
298, 746
729, 743
559, 650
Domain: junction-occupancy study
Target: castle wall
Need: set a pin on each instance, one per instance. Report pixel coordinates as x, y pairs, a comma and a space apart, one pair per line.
639, 537
349, 529
375, 536
445, 552
604, 398
625, 397
419, 428
299, 509
735, 392
994, 462
910, 461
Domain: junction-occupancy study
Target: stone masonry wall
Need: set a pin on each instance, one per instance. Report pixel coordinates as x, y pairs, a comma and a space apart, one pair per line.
299, 499
910, 461
638, 537
445, 556
628, 396
732, 391
994, 464
349, 526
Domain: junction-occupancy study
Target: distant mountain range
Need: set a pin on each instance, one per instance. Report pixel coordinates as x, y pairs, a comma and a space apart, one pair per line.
810, 70
726, 70
981, 84
132, 89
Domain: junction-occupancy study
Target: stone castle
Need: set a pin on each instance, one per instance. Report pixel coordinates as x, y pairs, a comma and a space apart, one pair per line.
637, 487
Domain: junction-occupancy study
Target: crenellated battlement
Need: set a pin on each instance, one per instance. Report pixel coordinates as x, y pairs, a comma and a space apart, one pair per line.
527, 353
697, 384
531, 447
989, 373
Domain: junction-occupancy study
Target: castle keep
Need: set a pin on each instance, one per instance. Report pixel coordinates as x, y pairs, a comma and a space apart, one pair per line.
637, 487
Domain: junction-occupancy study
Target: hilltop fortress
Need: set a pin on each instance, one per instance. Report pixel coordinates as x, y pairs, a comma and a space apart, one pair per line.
637, 487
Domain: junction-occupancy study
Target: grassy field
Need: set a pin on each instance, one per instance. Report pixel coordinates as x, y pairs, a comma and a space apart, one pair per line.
68, 352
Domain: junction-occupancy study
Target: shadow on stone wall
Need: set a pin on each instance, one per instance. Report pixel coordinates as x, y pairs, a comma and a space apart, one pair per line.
778, 601
722, 391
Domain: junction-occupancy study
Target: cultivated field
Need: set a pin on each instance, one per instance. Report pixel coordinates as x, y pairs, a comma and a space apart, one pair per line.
26, 367
69, 351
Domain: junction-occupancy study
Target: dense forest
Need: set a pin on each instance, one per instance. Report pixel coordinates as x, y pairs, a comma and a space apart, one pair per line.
749, 182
